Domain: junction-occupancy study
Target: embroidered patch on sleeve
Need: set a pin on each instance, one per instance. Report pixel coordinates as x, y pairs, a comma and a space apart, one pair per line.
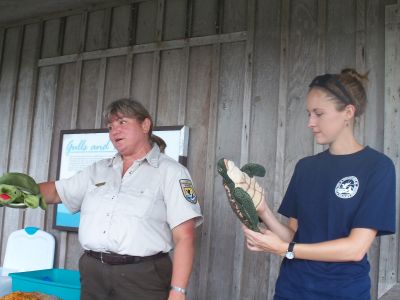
188, 190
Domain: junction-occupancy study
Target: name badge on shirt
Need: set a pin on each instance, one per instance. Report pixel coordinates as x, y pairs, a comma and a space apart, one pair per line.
188, 190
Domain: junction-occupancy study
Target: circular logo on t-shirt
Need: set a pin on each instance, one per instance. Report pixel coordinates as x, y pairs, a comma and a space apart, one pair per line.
347, 187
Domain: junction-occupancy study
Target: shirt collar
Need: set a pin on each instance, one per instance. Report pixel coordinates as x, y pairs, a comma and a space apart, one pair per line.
152, 157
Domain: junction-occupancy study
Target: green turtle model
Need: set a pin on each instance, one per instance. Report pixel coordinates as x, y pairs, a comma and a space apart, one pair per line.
245, 192
18, 190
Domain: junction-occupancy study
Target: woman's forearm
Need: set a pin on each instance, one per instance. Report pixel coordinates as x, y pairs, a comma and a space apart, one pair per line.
285, 232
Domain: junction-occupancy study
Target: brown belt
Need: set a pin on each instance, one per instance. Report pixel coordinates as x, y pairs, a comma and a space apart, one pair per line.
120, 259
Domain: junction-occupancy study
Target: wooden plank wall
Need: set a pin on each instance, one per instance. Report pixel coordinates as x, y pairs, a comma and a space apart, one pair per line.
236, 72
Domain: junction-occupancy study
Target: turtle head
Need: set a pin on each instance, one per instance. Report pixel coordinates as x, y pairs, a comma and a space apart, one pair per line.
221, 166
222, 170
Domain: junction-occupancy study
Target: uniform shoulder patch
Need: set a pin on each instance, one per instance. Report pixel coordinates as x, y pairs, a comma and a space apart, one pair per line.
188, 190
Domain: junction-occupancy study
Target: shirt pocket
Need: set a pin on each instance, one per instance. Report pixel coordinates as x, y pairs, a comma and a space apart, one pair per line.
94, 195
136, 201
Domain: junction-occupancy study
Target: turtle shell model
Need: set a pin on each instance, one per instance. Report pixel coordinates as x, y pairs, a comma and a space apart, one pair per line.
245, 194
18, 190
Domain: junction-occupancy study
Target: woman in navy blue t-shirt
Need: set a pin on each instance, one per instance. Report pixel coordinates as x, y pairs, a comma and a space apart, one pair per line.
337, 202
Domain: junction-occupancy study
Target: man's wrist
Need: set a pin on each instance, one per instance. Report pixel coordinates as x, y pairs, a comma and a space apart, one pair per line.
178, 289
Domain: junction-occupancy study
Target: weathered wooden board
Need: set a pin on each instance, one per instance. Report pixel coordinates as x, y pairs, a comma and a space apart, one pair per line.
88, 94
120, 29
175, 19
388, 264
146, 22
169, 88
263, 129
141, 78
199, 100
12, 218
228, 141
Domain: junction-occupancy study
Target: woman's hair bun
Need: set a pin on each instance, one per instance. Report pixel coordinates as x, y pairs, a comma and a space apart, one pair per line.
362, 78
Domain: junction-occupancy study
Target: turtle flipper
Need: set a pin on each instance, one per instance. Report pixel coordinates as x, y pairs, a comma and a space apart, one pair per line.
253, 169
247, 209
21, 181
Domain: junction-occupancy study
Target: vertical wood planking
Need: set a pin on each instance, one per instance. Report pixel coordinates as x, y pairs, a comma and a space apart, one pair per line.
114, 86
340, 41
73, 35
152, 107
229, 142
388, 264
302, 68
360, 63
146, 22
205, 247
281, 131
120, 34
156, 60
2, 167
89, 93
169, 87
128, 75
264, 122
198, 100
141, 86
100, 92
245, 138
321, 50
24, 103
43, 119
185, 53
97, 36
175, 20
234, 16
204, 17
12, 218
374, 53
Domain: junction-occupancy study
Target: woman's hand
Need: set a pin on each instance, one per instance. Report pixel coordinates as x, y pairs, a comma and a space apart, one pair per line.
266, 241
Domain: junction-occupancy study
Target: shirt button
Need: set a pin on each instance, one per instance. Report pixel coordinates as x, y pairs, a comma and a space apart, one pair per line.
104, 231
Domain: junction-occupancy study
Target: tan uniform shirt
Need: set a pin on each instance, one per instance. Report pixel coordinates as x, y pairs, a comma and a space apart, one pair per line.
133, 214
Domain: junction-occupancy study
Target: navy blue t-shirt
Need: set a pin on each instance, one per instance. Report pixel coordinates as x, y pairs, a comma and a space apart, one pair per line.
329, 195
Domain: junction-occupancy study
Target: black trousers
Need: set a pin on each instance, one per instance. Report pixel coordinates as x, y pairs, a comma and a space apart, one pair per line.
147, 280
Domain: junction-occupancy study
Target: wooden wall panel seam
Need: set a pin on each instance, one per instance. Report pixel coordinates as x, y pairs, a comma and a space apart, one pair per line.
360, 36
210, 174
388, 264
107, 27
101, 91
189, 19
34, 87
245, 135
2, 43
76, 96
128, 75
321, 49
155, 78
281, 131
13, 99
84, 28
183, 86
133, 24
160, 20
